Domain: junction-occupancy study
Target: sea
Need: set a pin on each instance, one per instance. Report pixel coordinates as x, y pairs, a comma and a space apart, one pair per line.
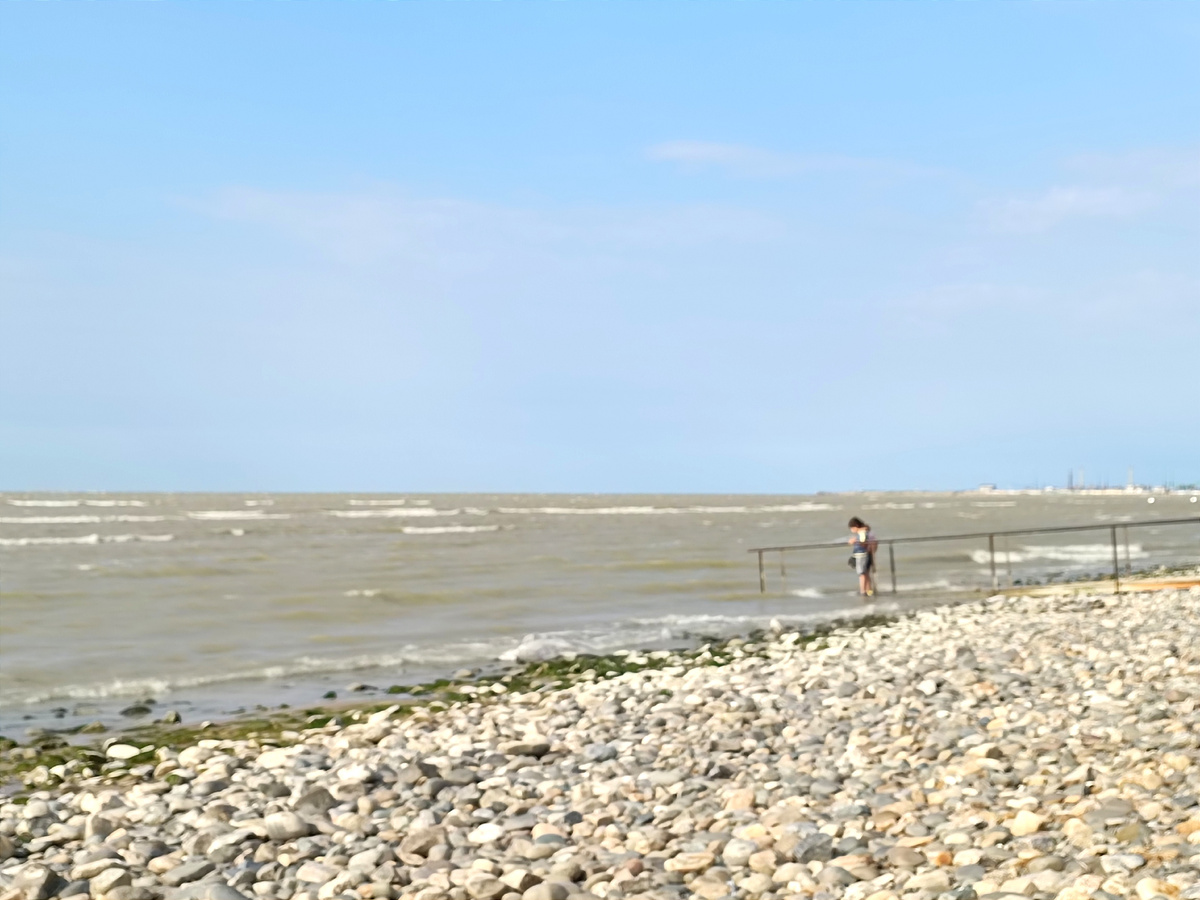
215, 605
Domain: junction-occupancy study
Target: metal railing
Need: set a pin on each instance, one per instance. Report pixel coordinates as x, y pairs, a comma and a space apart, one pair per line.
991, 538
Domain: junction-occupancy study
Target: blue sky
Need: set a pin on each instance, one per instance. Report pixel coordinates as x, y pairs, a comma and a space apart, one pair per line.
598, 247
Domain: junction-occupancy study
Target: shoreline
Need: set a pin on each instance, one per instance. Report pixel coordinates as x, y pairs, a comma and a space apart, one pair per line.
294, 717
1044, 746
51, 748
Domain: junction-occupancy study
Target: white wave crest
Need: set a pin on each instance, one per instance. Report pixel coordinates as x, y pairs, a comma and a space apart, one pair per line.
658, 510
807, 593
988, 503
355, 502
448, 529
84, 539
68, 503
58, 503
1071, 554
628, 634
940, 584
391, 513
76, 520
228, 514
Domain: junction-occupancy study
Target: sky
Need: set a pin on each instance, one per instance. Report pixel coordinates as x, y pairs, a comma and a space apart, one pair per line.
663, 247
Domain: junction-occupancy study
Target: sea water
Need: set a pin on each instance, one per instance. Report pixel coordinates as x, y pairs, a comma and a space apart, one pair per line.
215, 604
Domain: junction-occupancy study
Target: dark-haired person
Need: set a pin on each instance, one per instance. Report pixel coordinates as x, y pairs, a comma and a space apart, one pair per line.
863, 546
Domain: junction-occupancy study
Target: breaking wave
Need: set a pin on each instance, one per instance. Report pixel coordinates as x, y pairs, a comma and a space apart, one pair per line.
448, 529
659, 510
85, 539
393, 513
75, 520
228, 514
1071, 554
807, 593
62, 503
639, 634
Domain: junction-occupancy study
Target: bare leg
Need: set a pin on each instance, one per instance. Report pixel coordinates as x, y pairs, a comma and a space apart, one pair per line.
864, 584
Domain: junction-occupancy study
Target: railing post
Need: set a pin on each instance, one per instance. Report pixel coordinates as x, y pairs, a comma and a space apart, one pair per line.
1128, 563
762, 575
992, 552
892, 563
1116, 564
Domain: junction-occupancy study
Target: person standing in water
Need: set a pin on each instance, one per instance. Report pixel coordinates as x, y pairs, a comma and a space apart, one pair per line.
863, 545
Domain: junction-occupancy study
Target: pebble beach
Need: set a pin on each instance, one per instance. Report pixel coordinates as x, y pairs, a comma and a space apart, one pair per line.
1044, 747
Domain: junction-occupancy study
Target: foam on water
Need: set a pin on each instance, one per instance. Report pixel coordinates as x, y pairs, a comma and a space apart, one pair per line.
809, 593
629, 634
227, 514
448, 529
1072, 554
75, 520
393, 513
659, 510
936, 584
67, 503
357, 502
84, 539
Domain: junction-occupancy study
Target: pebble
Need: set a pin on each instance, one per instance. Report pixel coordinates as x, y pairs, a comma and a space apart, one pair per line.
1015, 747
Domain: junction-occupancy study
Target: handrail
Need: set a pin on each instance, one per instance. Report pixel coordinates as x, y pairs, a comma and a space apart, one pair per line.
983, 534
990, 535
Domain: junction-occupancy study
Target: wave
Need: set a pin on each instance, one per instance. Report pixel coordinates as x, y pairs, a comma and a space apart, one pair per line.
940, 584
807, 593
990, 503
377, 502
45, 502
76, 520
640, 634
1072, 554
448, 529
62, 503
228, 514
659, 510
84, 539
392, 513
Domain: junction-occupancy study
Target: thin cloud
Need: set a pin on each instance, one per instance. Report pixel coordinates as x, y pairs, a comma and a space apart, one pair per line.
1161, 168
745, 161
361, 227
1041, 212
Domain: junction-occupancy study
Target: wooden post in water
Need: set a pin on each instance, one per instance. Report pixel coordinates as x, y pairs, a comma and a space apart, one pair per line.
992, 552
1116, 563
762, 575
892, 563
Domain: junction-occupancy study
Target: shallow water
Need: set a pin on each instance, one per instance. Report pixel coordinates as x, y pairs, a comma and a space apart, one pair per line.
212, 603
